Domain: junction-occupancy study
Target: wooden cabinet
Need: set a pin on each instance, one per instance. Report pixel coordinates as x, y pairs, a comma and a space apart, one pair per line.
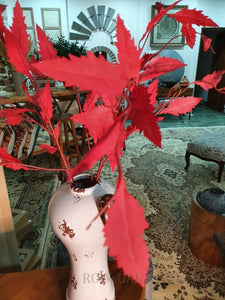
51, 284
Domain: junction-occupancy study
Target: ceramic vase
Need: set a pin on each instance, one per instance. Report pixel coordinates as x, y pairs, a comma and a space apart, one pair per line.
71, 210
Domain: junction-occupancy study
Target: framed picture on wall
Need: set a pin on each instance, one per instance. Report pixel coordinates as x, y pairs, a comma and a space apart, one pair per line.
166, 29
29, 20
51, 20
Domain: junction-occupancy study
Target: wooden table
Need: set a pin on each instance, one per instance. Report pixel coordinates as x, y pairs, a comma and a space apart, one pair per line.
62, 95
50, 284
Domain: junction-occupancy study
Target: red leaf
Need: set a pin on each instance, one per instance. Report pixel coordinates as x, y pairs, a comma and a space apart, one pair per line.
46, 48
152, 92
97, 121
128, 55
97, 74
107, 145
19, 29
142, 115
207, 43
210, 80
42, 99
190, 33
15, 56
34, 99
121, 214
12, 115
48, 148
56, 131
17, 42
181, 105
193, 16
158, 66
159, 6
46, 105
9, 161
2, 26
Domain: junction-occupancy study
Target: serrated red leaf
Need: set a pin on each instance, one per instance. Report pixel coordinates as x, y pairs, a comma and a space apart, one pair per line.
92, 100
2, 26
97, 121
97, 74
46, 49
12, 115
17, 42
159, 6
34, 99
153, 91
158, 66
207, 43
48, 148
122, 213
15, 56
19, 29
210, 80
9, 161
181, 105
56, 131
108, 145
193, 16
190, 33
142, 115
128, 54
45, 103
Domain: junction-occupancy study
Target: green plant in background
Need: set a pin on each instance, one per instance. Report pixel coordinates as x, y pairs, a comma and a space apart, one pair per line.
65, 47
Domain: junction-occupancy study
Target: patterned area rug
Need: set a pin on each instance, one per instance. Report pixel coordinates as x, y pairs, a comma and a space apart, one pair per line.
31, 191
178, 274
156, 177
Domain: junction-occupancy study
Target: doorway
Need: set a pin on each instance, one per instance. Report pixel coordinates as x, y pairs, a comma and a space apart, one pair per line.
209, 62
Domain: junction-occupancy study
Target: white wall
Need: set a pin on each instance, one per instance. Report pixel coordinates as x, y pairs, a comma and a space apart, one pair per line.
135, 13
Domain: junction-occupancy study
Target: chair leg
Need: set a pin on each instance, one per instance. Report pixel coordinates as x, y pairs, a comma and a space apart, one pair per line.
187, 158
221, 165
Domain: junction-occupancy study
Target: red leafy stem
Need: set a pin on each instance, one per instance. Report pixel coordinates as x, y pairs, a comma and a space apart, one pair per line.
117, 110
33, 168
108, 204
178, 90
86, 131
50, 131
163, 47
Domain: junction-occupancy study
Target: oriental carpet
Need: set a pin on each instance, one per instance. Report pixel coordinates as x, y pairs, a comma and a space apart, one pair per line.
157, 179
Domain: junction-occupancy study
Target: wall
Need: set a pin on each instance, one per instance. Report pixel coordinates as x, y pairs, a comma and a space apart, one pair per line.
136, 14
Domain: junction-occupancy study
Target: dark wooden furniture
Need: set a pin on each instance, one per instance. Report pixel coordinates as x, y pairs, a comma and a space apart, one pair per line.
51, 284
203, 226
215, 99
61, 95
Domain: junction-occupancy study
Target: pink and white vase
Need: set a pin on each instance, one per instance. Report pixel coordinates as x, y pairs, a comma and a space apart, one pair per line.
71, 209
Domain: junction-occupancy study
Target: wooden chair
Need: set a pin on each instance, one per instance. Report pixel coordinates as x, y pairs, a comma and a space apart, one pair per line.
68, 139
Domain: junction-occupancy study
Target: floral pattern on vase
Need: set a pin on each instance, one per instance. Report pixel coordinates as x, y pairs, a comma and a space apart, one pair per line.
70, 212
